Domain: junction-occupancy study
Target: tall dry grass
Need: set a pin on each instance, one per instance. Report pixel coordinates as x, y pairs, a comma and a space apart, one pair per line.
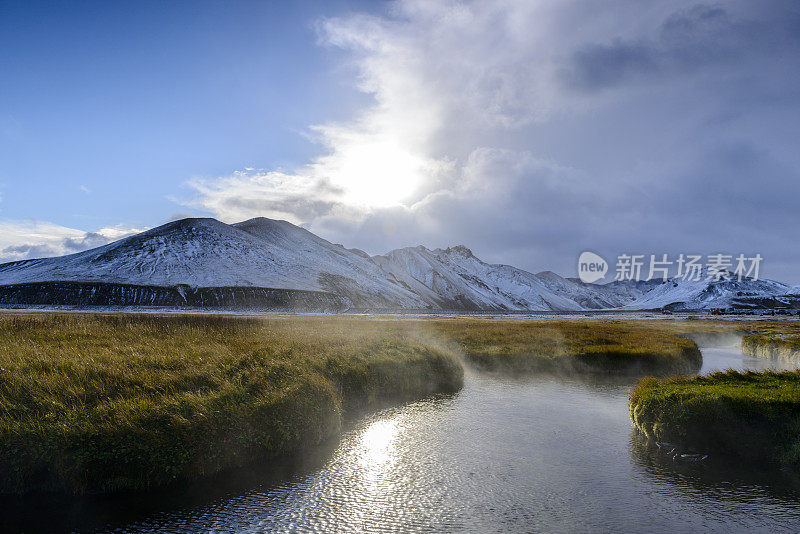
112, 403
90, 402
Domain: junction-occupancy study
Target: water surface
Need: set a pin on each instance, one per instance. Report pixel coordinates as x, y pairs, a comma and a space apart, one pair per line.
542, 454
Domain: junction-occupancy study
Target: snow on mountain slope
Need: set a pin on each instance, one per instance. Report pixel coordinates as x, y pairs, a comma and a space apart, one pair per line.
594, 296
335, 268
264, 253
454, 276
627, 290
209, 253
690, 294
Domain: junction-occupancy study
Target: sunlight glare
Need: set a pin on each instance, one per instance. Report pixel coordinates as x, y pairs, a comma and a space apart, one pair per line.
377, 445
377, 174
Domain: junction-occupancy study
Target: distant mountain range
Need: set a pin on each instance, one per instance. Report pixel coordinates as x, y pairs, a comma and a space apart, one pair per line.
266, 264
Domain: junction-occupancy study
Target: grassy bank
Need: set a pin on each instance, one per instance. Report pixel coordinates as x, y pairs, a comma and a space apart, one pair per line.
781, 345
124, 402
755, 416
90, 403
583, 346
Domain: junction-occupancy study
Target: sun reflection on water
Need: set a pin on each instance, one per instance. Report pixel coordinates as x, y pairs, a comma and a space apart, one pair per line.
375, 447
369, 496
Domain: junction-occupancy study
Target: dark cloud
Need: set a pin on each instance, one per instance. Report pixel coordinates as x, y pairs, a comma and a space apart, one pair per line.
687, 41
602, 66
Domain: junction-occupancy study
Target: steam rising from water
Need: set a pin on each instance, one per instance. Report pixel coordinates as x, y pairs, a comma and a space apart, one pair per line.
542, 453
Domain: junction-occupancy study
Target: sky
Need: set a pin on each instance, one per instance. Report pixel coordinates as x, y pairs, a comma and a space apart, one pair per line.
529, 131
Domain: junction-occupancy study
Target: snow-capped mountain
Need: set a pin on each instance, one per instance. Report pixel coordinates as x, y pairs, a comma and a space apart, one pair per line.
456, 278
269, 264
595, 296
208, 253
689, 294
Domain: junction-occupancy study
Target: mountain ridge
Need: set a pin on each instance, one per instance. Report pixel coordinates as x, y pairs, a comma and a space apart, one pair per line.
274, 264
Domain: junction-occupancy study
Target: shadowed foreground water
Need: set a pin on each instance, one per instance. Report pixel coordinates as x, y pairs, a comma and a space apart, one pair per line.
503, 455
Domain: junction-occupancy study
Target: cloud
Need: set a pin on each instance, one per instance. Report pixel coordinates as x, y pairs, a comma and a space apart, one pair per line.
21, 240
531, 131
691, 39
394, 152
245, 194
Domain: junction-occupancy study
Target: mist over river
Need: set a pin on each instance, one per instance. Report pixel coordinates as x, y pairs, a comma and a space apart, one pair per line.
536, 454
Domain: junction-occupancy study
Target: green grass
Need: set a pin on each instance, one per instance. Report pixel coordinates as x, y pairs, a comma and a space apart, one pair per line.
94, 403
750, 415
582, 345
776, 340
782, 344
123, 403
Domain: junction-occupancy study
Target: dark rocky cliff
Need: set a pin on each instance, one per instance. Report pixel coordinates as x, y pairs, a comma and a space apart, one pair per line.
103, 294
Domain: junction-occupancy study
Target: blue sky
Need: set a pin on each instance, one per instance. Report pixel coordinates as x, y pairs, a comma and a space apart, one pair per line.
529, 131
129, 100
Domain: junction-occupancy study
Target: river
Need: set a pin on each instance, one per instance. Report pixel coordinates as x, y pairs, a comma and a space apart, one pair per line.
540, 454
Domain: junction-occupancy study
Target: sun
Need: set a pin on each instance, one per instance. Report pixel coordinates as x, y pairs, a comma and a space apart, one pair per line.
376, 174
